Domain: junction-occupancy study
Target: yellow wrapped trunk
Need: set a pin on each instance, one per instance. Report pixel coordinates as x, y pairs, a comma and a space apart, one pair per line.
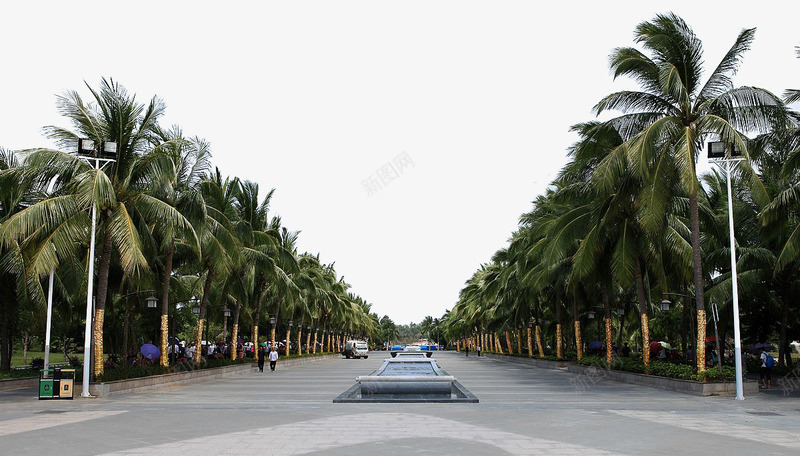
98, 342
645, 339
198, 341
164, 341
701, 340
234, 339
539, 341
530, 343
559, 353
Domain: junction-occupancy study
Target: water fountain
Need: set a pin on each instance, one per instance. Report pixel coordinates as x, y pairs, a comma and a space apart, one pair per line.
408, 376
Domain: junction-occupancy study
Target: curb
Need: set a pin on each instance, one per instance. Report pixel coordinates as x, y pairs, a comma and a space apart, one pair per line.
651, 381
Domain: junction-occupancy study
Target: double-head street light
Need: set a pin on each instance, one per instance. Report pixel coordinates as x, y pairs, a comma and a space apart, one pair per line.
727, 156
92, 151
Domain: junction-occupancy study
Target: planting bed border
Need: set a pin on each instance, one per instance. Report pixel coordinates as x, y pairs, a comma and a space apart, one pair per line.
141, 384
653, 381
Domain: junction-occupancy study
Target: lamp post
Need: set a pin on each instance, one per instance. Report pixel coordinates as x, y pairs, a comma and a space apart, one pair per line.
88, 151
272, 327
225, 314
48, 323
721, 154
289, 338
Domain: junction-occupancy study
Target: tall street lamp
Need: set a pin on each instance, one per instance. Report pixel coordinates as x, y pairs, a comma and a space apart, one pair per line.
105, 152
727, 157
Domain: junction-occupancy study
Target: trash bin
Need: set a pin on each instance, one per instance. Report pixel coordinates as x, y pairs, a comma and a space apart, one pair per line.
58, 385
46, 388
66, 384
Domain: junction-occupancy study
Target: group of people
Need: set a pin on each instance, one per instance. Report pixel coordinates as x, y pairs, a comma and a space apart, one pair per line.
271, 353
477, 349
210, 350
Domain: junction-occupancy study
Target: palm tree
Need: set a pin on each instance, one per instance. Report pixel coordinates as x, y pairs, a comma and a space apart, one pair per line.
665, 124
15, 195
183, 164
119, 190
219, 244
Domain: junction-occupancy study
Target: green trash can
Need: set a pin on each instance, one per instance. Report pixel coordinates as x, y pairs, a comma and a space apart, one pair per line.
46, 388
47, 384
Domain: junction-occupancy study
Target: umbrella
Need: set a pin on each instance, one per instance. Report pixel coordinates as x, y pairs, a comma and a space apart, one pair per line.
655, 346
595, 345
757, 348
666, 345
150, 351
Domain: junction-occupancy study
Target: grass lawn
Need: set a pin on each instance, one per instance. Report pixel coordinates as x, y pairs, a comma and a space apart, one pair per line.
55, 357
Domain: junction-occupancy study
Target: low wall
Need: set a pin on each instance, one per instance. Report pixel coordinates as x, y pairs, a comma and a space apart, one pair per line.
543, 363
19, 383
653, 381
135, 385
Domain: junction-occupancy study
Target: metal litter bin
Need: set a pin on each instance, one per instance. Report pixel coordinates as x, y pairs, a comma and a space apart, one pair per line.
56, 383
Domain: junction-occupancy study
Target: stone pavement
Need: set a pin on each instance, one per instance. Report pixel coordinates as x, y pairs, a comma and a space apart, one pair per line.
522, 410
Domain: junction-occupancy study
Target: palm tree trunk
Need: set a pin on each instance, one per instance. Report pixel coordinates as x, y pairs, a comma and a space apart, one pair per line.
784, 355
308, 342
5, 334
539, 345
697, 263
100, 302
235, 330
131, 328
257, 317
559, 352
621, 325
328, 335
25, 340
577, 323
201, 319
165, 304
637, 272
277, 310
609, 338
300, 336
314, 348
530, 343
125, 331
288, 338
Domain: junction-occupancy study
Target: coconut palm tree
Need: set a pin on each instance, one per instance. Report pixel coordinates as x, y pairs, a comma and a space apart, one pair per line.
218, 240
665, 123
15, 194
183, 164
118, 190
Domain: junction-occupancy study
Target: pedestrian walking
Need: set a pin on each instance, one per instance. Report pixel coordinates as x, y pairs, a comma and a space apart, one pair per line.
273, 359
767, 363
466, 350
478, 349
261, 356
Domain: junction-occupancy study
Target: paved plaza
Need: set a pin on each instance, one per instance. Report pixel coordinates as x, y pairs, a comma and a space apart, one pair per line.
522, 410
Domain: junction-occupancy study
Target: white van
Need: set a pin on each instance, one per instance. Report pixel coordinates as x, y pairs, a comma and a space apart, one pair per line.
356, 349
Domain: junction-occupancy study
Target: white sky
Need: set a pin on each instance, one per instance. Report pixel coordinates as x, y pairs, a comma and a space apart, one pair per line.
312, 98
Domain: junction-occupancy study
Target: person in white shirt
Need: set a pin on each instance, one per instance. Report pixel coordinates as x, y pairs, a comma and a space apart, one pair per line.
273, 359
